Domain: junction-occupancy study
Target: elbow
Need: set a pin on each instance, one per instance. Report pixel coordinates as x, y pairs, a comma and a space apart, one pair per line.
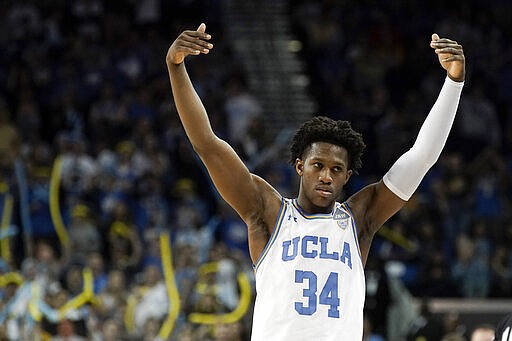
426, 157
197, 148
431, 159
205, 145
428, 160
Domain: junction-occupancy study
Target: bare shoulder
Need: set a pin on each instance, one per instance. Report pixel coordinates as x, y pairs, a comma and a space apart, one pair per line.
270, 200
260, 223
359, 203
373, 206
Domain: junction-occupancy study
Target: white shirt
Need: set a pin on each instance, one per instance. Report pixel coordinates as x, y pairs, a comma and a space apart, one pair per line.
310, 278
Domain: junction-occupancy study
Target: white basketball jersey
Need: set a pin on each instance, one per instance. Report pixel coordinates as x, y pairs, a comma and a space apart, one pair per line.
309, 278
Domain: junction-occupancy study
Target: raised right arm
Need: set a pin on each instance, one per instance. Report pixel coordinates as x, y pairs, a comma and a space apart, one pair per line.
376, 203
253, 199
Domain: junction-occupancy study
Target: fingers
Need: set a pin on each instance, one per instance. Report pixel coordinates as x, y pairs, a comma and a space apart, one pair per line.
437, 42
450, 50
188, 50
449, 54
189, 43
445, 46
196, 35
454, 58
202, 28
195, 42
443, 42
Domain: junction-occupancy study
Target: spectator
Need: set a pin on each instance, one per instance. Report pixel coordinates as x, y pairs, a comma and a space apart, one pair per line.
479, 124
73, 73
368, 333
483, 332
113, 297
471, 269
95, 262
123, 242
426, 325
501, 267
229, 332
84, 235
151, 297
39, 201
241, 107
112, 331
11, 138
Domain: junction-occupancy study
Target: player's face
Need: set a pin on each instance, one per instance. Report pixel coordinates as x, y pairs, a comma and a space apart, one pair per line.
323, 171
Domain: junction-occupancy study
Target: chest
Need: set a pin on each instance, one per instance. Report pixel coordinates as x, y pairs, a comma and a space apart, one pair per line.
323, 239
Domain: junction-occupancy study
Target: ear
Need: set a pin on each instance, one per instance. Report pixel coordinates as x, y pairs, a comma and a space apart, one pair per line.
299, 166
349, 174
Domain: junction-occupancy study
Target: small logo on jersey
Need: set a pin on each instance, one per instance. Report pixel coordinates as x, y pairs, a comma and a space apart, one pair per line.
341, 218
290, 218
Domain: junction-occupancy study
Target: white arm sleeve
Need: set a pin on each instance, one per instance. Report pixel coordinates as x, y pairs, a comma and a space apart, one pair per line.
406, 174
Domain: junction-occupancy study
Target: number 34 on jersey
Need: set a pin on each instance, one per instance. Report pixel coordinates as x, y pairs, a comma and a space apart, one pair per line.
328, 295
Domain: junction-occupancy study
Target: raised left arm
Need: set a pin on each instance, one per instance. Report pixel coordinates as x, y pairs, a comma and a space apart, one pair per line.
376, 203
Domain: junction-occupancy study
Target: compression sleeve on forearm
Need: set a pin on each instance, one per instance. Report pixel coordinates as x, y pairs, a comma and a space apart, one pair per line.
406, 174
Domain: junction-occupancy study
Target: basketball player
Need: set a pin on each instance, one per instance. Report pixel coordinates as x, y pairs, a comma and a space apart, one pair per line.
309, 252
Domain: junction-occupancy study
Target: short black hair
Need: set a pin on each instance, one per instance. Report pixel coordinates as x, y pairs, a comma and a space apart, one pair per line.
325, 129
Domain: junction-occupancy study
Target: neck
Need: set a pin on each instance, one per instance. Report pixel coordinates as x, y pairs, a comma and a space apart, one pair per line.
309, 207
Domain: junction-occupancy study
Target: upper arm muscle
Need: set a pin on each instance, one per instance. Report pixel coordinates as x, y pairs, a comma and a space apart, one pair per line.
231, 177
374, 205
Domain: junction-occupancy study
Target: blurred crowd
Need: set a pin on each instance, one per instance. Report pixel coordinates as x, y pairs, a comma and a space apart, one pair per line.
373, 66
370, 63
96, 170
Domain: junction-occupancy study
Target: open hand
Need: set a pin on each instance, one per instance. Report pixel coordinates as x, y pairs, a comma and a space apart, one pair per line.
451, 57
189, 43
